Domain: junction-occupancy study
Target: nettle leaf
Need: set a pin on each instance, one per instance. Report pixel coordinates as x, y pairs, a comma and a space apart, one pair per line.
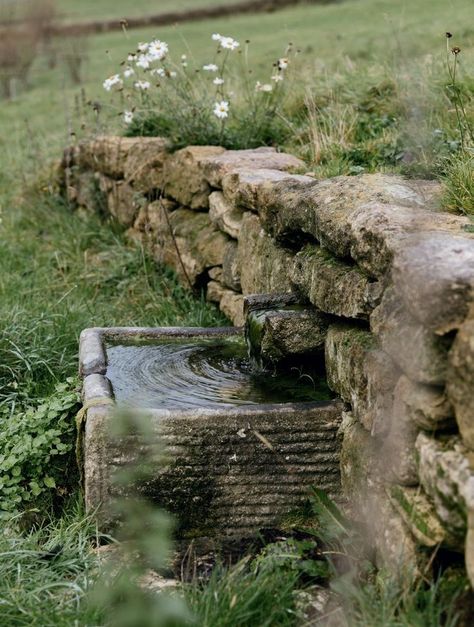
49, 482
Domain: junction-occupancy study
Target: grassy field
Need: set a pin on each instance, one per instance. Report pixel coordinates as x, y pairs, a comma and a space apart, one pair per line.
373, 77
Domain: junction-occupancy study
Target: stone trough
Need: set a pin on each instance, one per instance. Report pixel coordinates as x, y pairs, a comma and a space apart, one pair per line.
239, 451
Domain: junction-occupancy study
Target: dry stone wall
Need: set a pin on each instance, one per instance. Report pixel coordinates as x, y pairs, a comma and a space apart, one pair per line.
392, 274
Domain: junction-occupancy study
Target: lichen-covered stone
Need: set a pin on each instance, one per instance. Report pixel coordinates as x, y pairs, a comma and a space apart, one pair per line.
231, 267
366, 217
215, 167
346, 350
185, 180
418, 514
461, 380
224, 215
333, 285
426, 406
249, 188
264, 266
286, 332
232, 306
434, 275
446, 476
420, 353
145, 163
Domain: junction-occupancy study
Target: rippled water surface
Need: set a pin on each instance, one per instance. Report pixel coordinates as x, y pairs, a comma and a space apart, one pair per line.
201, 373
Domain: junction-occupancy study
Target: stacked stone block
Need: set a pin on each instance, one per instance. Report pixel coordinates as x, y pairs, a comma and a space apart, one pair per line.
393, 275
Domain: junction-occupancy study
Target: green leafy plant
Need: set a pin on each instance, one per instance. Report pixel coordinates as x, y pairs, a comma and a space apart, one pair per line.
34, 443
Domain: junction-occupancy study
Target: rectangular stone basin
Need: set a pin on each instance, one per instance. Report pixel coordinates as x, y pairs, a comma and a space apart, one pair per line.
240, 450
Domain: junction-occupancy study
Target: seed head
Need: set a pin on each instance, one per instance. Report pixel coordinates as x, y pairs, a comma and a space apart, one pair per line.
455, 50
448, 35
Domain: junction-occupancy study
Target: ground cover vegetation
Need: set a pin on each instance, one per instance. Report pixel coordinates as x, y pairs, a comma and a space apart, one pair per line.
358, 95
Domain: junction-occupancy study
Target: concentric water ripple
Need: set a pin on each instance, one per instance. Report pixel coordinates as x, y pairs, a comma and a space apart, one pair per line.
185, 374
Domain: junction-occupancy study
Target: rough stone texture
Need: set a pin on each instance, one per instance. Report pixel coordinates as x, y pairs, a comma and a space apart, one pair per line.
145, 162
447, 478
215, 167
281, 333
426, 406
264, 266
346, 351
434, 274
224, 215
123, 202
367, 217
249, 188
200, 246
185, 181
83, 190
418, 514
399, 451
461, 380
231, 267
420, 353
232, 306
108, 154
334, 286
382, 374
359, 461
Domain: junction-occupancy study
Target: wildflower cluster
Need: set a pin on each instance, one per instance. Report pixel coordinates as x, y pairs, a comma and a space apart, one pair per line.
197, 98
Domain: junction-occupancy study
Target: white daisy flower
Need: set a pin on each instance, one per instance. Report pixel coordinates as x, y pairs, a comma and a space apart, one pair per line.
183, 57
143, 85
131, 57
128, 117
221, 109
210, 67
143, 47
129, 71
277, 78
157, 50
172, 74
184, 63
216, 37
283, 63
229, 43
218, 81
143, 61
112, 81
266, 87
158, 72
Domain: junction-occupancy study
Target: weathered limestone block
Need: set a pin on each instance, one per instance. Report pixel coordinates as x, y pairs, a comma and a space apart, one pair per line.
434, 275
399, 450
216, 274
447, 477
224, 215
264, 266
359, 462
231, 267
420, 353
123, 203
367, 217
276, 334
382, 375
215, 167
108, 154
184, 177
215, 291
145, 162
249, 188
426, 406
232, 306
333, 285
346, 351
185, 240
418, 514
461, 381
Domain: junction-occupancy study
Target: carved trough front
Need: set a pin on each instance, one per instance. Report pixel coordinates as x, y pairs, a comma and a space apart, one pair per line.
226, 468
